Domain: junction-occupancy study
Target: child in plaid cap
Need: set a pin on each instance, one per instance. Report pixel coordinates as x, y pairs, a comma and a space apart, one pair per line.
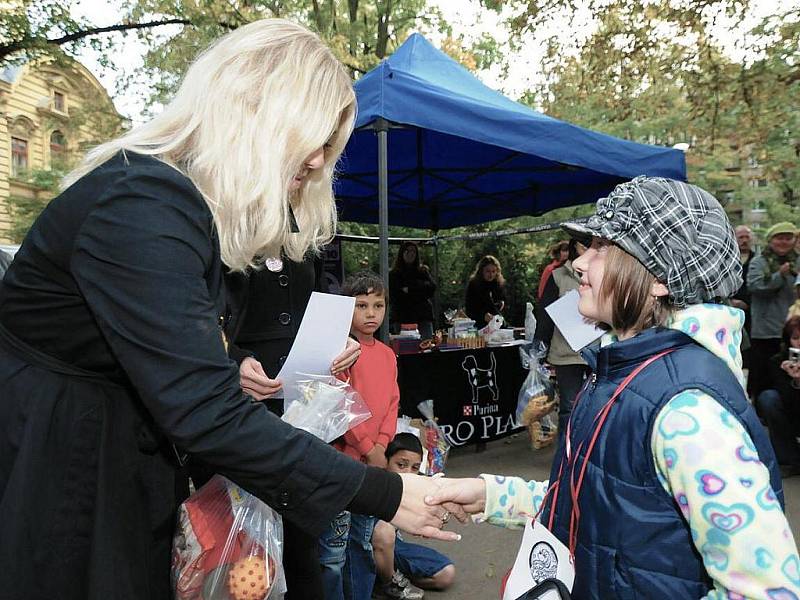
666, 485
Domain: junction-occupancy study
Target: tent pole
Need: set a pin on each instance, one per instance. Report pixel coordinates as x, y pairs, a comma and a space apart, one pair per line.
437, 301
382, 129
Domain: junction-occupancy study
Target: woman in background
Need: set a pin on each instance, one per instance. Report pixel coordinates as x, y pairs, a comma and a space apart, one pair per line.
411, 289
571, 369
485, 295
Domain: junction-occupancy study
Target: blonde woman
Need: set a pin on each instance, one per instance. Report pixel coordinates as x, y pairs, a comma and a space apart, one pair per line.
113, 367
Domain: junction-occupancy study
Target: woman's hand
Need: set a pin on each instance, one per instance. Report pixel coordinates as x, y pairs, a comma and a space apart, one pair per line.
469, 494
254, 381
792, 369
347, 358
421, 518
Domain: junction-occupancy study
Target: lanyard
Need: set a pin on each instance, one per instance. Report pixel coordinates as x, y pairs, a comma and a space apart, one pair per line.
572, 459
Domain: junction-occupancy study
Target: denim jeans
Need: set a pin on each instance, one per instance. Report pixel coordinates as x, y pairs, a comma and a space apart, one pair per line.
359, 572
345, 554
333, 555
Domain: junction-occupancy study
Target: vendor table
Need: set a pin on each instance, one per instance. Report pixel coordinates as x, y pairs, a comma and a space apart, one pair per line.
474, 390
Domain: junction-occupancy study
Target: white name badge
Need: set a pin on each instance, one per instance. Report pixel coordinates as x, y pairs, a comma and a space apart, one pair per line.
541, 556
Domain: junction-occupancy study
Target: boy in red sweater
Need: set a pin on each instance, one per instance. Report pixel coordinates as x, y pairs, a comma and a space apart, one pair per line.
348, 567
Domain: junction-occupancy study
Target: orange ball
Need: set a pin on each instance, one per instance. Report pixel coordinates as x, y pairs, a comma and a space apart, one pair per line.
250, 579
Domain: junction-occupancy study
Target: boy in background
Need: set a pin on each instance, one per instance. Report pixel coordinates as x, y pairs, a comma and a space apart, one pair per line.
398, 561
348, 567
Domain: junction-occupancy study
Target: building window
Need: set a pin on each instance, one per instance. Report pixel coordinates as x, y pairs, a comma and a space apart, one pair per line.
728, 196
19, 156
59, 102
58, 149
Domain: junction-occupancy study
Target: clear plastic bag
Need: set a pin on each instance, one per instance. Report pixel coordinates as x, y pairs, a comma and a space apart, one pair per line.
433, 439
530, 322
327, 407
536, 406
227, 546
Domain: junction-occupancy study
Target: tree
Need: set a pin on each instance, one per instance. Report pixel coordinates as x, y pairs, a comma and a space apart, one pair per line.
360, 32
655, 73
46, 28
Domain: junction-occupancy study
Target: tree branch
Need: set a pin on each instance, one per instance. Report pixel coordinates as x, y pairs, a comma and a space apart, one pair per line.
353, 67
29, 43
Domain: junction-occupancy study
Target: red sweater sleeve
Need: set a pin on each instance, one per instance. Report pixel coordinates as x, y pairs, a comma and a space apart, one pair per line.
358, 437
389, 425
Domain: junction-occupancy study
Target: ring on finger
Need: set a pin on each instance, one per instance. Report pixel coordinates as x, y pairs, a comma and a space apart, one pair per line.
445, 517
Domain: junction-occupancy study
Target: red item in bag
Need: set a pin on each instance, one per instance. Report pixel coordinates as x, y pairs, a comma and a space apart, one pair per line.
227, 545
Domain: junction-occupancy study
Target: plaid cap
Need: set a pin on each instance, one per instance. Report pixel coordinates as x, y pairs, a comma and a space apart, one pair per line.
679, 232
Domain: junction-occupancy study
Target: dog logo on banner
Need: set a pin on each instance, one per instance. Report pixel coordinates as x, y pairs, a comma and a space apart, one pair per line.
481, 380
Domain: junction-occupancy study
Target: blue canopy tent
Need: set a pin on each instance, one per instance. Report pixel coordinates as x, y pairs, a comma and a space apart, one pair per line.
435, 148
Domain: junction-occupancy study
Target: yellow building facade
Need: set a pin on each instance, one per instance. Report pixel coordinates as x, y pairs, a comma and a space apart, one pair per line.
49, 115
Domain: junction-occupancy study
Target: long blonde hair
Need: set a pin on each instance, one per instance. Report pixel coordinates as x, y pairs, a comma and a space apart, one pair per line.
249, 111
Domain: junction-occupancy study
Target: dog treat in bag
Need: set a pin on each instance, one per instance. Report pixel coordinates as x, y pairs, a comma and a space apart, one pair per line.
433, 439
536, 406
327, 408
227, 546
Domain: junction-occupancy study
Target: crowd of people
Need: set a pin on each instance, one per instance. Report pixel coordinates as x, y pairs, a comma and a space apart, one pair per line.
145, 317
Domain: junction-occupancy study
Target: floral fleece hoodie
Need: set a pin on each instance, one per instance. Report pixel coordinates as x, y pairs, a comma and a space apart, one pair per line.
707, 462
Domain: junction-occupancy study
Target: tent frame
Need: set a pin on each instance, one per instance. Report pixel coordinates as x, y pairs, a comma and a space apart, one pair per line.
434, 240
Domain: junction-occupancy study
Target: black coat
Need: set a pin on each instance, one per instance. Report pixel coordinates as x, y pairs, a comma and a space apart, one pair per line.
483, 297
5, 261
780, 380
110, 352
266, 309
414, 305
743, 293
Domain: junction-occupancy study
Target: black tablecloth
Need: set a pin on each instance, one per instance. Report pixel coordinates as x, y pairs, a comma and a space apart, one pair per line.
474, 391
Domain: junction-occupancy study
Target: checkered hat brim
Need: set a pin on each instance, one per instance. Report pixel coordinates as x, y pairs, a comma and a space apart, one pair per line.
679, 232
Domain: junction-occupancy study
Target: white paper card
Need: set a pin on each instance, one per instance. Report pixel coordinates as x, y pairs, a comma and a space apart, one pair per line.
321, 337
572, 324
541, 556
404, 427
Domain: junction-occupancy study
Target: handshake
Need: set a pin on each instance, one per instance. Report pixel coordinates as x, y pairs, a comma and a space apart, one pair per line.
429, 502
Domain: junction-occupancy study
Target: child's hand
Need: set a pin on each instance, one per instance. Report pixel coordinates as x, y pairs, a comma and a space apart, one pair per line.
417, 516
469, 494
377, 457
347, 358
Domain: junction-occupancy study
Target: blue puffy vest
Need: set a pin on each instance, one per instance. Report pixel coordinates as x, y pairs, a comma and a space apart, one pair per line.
632, 540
